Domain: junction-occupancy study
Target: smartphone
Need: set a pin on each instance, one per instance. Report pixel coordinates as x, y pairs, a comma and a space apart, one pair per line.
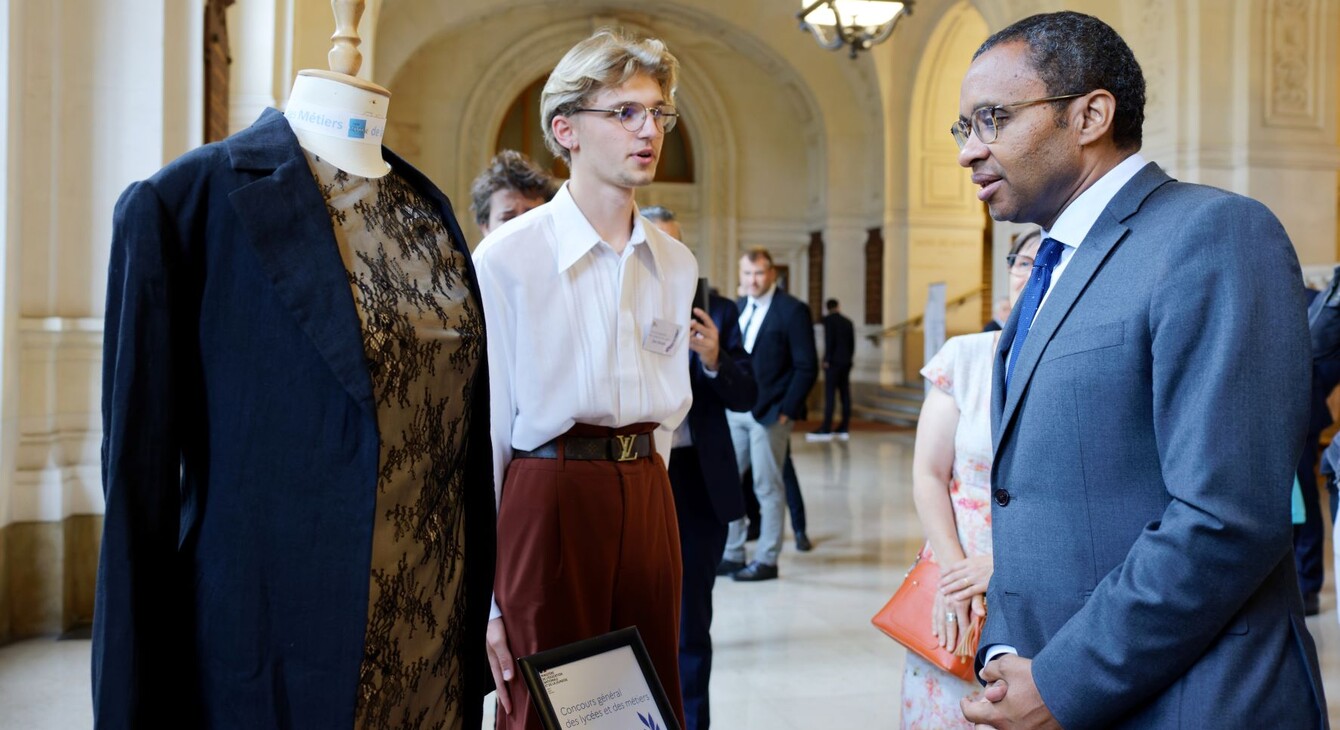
700, 299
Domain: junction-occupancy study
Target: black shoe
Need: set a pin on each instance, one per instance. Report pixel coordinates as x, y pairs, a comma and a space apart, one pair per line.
803, 543
1311, 604
756, 571
729, 567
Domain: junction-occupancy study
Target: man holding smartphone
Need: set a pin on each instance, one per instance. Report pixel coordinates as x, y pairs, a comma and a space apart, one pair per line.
703, 473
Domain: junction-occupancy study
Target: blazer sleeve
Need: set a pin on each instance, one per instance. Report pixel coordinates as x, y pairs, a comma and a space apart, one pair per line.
1229, 346
804, 360
140, 627
734, 382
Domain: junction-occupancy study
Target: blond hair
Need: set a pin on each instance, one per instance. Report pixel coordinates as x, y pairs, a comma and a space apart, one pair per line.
609, 58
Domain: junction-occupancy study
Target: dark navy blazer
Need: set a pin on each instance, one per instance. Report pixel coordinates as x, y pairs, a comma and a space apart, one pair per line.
240, 452
732, 389
785, 361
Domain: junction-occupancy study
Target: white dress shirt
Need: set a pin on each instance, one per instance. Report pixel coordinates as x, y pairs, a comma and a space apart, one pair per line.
759, 308
1074, 223
567, 318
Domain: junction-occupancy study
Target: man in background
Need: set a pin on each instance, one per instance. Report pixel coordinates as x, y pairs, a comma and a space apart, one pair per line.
704, 475
508, 187
839, 348
780, 342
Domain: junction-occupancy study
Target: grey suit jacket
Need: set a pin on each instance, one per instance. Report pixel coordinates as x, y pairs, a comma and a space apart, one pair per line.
1145, 453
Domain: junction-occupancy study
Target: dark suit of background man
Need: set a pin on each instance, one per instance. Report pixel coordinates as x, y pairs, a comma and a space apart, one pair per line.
703, 475
1309, 537
780, 341
839, 347
1145, 440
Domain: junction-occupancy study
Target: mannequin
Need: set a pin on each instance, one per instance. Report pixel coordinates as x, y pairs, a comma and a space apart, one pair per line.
340, 121
295, 411
336, 115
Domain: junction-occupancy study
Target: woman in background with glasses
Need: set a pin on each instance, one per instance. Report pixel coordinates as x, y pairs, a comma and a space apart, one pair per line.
951, 485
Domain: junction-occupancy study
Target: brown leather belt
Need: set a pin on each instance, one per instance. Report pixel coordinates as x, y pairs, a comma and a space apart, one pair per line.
599, 448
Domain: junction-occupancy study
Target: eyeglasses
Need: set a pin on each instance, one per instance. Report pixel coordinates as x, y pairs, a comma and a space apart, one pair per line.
987, 121
1019, 264
633, 115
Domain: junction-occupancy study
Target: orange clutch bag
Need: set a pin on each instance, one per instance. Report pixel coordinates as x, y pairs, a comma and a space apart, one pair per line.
906, 618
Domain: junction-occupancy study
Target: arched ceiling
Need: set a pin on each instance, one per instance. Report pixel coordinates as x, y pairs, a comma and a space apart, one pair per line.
837, 98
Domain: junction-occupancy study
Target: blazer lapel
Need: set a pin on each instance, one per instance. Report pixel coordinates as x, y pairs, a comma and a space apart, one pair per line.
998, 374
1106, 233
290, 230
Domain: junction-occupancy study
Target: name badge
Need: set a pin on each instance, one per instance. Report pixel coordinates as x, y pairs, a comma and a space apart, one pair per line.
662, 337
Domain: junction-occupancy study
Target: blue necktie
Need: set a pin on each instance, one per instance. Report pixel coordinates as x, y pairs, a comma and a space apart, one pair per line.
1049, 255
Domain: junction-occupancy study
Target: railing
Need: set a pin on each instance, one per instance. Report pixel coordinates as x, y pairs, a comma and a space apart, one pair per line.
916, 321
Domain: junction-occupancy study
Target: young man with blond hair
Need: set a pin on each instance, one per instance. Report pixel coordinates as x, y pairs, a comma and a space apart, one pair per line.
588, 309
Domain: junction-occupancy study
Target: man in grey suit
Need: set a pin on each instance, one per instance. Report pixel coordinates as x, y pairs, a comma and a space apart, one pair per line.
1145, 439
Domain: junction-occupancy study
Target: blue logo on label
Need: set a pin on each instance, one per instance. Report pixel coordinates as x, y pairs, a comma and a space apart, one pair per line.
358, 128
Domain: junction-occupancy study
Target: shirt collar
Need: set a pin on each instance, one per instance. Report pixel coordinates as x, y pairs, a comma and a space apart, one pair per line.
576, 236
766, 298
1074, 223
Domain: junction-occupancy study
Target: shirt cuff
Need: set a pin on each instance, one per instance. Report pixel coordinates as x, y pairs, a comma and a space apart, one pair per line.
494, 611
709, 372
994, 651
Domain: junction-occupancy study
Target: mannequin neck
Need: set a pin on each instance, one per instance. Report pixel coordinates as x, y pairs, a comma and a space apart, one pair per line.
341, 119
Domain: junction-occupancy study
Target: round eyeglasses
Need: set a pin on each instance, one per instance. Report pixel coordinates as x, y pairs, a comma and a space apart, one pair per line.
987, 120
633, 115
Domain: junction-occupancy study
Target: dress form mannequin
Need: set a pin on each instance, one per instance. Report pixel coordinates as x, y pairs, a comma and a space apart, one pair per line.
335, 115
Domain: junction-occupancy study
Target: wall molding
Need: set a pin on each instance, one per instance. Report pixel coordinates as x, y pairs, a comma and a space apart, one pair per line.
1293, 58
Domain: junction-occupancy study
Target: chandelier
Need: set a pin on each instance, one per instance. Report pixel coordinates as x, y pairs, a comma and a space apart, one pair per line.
858, 24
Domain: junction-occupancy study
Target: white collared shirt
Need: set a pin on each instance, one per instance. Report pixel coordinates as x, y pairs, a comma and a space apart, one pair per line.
760, 308
566, 320
1075, 222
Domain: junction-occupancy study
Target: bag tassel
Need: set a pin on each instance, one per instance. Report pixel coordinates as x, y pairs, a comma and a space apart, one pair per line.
967, 643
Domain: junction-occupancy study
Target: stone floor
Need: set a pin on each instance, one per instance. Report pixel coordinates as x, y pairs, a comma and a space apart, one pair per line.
796, 653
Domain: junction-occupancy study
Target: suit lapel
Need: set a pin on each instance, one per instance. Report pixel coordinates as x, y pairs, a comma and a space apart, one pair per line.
769, 320
289, 228
1107, 232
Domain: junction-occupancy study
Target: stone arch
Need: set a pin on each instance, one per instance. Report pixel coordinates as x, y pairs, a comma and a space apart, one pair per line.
833, 103
946, 222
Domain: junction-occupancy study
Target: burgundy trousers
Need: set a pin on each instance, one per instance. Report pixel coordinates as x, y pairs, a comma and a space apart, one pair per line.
585, 548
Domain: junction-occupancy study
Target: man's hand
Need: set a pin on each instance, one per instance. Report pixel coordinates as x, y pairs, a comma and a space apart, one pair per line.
704, 338
782, 419
1011, 700
500, 661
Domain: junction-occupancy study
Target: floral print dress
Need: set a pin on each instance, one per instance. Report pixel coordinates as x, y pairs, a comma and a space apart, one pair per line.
962, 369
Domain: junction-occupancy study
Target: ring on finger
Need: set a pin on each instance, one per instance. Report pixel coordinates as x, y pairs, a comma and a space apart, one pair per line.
951, 618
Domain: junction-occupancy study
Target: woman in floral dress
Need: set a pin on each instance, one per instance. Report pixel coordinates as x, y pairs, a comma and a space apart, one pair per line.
951, 484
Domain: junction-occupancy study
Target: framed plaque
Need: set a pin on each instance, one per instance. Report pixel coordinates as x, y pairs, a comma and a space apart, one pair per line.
603, 683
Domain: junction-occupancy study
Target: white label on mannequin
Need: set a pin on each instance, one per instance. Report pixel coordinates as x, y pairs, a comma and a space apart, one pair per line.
336, 123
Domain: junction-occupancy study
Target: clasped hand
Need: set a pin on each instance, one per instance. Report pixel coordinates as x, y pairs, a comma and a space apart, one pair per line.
1011, 700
